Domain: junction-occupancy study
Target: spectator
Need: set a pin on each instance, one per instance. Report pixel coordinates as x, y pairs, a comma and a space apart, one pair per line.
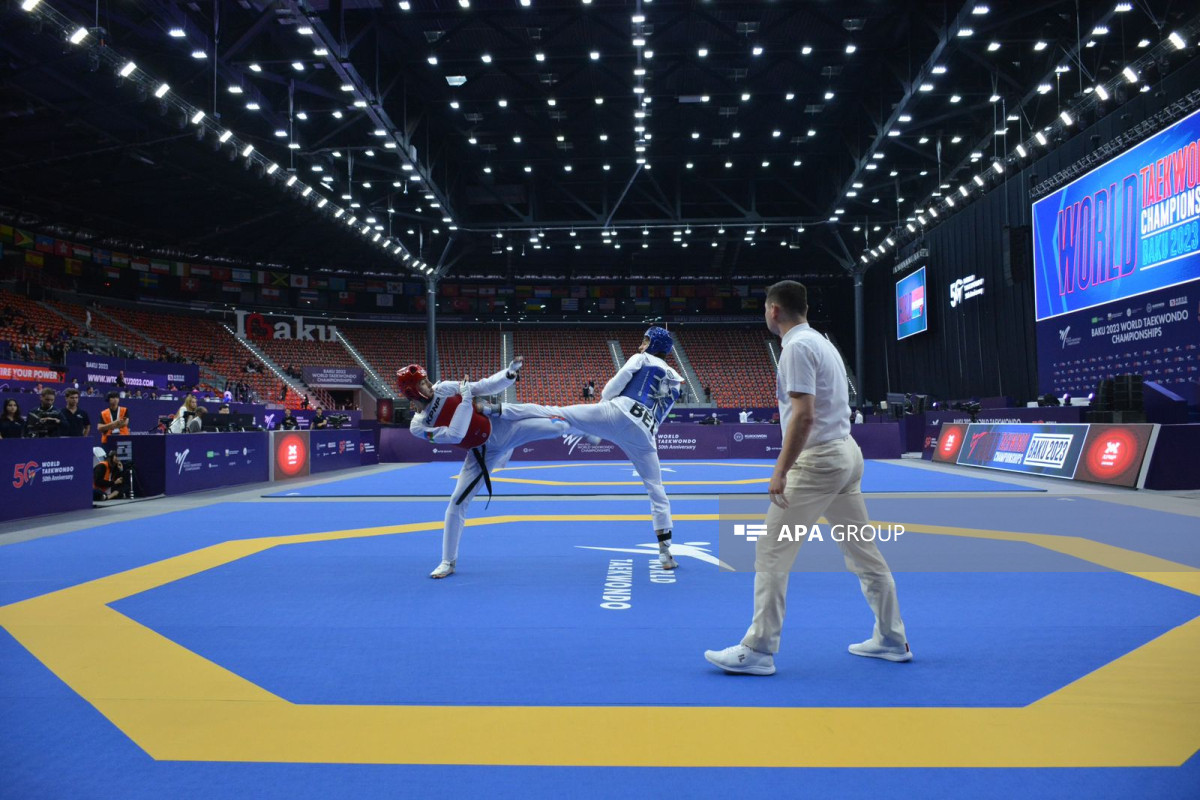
283, 392
76, 421
227, 395
288, 423
109, 479
743, 416
120, 379
708, 394
304, 401
45, 420
12, 426
187, 417
319, 420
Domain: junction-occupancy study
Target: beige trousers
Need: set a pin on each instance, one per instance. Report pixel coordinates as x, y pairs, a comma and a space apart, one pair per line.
825, 481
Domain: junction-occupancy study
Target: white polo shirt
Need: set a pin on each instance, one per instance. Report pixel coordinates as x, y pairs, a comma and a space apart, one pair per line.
810, 364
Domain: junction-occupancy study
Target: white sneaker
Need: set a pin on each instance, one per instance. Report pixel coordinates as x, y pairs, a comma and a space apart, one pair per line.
444, 570
665, 559
870, 649
741, 659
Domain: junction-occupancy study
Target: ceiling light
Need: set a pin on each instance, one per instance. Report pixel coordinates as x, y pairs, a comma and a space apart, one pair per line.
894, 132
993, 47
806, 50
594, 55
502, 103
926, 87
604, 137
433, 61
978, 180
176, 33
1066, 118
923, 140
224, 137
271, 170
199, 55
528, 168
465, 3
745, 96
728, 165
162, 89
999, 167
704, 98
639, 42
702, 52
320, 51
293, 146
1177, 40
1130, 75
252, 106
255, 68
766, 164
539, 56
1044, 88
757, 50
963, 33
298, 66
737, 134
980, 9
812, 132
689, 165
1100, 30
487, 59
939, 70
599, 101
292, 180
197, 117
566, 167
454, 104
1040, 46
1123, 8
127, 70
516, 140
1101, 92
1143, 43
775, 134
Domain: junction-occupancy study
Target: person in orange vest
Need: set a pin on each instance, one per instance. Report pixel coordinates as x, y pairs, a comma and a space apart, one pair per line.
447, 413
114, 418
110, 479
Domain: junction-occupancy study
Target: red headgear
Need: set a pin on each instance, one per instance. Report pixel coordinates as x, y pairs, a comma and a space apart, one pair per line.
408, 380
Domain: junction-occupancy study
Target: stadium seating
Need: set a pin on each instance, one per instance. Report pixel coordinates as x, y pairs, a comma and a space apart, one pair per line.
27, 314
560, 362
735, 364
460, 352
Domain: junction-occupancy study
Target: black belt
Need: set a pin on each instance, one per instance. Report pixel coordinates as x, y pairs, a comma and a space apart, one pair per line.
480, 454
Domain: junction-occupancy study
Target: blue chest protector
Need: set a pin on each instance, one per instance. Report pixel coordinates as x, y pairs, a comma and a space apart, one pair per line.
650, 387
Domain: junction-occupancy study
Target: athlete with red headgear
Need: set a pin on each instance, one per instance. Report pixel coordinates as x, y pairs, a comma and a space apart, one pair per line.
447, 413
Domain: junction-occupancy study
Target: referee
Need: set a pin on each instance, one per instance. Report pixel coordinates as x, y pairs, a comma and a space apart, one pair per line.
819, 472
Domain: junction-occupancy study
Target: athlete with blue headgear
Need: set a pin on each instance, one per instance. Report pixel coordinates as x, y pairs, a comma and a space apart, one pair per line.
632, 406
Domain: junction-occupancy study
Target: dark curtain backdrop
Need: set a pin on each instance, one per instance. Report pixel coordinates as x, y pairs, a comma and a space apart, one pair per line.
984, 347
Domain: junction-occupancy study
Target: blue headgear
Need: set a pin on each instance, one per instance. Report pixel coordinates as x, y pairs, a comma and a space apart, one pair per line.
661, 342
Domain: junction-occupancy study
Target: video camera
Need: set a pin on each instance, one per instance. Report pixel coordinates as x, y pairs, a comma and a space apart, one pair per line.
337, 420
42, 427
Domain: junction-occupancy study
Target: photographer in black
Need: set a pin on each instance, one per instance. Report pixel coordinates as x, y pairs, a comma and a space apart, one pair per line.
45, 420
110, 479
319, 421
76, 421
288, 423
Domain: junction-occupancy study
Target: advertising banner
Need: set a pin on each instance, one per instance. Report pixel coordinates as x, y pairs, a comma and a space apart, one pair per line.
334, 450
1111, 454
911, 307
1042, 414
32, 373
42, 476
105, 380
290, 455
209, 460
172, 374
1116, 257
332, 376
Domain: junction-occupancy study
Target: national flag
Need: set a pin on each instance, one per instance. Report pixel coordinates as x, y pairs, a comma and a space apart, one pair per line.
189, 284
356, 286
81, 251
22, 238
72, 266
243, 276
376, 286
533, 305
608, 304
222, 273
279, 279
345, 298
120, 259
570, 304
103, 257
160, 267
678, 303
309, 296
33, 259
62, 248
299, 281
270, 291
749, 303
230, 286
318, 283
180, 269
714, 303
449, 290
6, 233
383, 300
44, 244
200, 271
395, 287
337, 284
112, 273
484, 291
148, 280
140, 264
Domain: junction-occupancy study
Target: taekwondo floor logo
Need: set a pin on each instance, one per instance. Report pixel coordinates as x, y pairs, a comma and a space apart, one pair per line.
1065, 337
619, 579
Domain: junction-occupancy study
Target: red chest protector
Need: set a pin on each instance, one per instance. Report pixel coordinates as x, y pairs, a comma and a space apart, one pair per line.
440, 411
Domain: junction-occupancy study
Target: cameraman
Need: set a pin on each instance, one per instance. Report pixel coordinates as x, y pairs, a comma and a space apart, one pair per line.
46, 420
109, 479
76, 421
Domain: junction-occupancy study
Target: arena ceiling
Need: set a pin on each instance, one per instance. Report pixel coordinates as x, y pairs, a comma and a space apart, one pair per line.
539, 137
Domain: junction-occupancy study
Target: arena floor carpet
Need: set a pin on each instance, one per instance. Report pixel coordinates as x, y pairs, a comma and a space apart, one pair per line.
747, 476
276, 648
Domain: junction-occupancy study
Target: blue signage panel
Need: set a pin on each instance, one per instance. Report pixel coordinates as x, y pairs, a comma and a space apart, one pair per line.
208, 460
334, 450
43, 476
1116, 259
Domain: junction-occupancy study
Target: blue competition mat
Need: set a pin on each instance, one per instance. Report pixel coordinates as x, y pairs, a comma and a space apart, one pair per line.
745, 476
